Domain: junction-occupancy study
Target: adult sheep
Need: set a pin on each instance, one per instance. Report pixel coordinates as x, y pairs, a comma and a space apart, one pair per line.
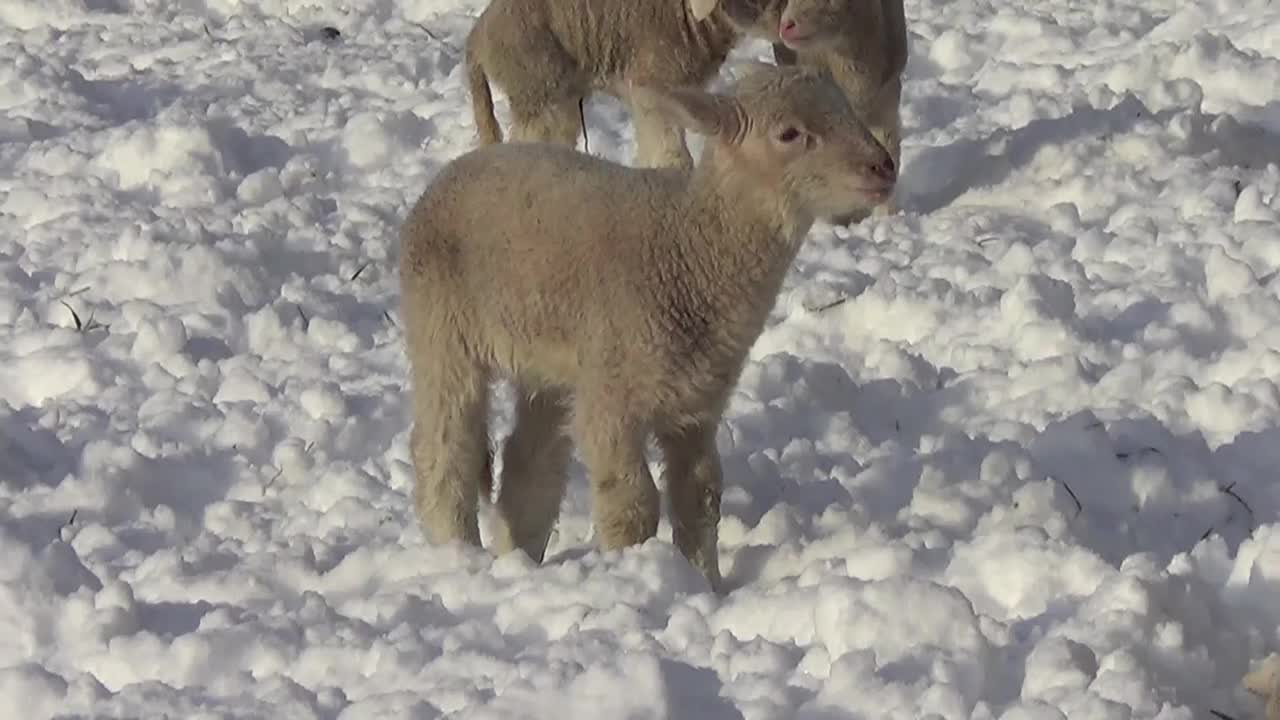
547, 56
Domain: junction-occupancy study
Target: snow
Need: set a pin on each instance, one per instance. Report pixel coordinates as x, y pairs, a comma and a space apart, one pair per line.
1009, 454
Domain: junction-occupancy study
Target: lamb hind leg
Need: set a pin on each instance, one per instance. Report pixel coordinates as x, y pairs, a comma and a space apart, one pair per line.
449, 444
693, 479
535, 462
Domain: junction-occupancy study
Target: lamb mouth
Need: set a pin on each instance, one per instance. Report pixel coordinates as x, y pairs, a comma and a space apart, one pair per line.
797, 41
878, 193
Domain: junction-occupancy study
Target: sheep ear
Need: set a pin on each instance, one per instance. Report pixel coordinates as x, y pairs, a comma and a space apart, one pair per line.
700, 111
702, 9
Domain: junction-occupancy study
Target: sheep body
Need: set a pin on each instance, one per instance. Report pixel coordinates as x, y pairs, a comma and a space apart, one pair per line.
547, 56
863, 45
622, 301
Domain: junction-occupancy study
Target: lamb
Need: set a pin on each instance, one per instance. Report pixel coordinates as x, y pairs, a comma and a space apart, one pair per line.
1265, 683
621, 301
547, 56
863, 45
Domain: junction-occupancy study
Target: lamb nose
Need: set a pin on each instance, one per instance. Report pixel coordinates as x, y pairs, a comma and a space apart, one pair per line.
788, 26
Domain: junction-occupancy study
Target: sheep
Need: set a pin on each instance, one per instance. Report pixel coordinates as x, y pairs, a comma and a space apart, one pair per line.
620, 301
863, 45
547, 56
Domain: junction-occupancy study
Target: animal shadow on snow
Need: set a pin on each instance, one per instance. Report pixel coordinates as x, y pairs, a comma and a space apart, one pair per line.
819, 440
1133, 321
245, 154
122, 100
694, 692
1141, 487
983, 162
801, 401
134, 485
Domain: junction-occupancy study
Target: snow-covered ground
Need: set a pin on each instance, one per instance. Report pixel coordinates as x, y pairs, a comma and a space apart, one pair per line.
1012, 453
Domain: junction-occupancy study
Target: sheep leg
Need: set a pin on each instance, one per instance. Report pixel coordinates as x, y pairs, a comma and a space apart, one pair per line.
659, 141
449, 443
559, 123
624, 499
693, 479
535, 463
543, 83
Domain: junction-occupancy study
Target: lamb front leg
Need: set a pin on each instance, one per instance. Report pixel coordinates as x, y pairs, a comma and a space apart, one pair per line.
693, 479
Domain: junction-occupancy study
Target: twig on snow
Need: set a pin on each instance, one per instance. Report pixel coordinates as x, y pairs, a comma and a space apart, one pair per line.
828, 305
1072, 493
1125, 455
436, 37
1231, 491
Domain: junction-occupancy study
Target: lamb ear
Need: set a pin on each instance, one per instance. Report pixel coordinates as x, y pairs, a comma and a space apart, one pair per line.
697, 110
702, 9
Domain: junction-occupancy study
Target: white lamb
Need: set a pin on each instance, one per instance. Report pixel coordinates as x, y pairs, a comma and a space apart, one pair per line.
622, 302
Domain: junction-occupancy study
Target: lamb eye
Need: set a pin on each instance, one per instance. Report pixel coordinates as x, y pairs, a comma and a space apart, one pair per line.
789, 135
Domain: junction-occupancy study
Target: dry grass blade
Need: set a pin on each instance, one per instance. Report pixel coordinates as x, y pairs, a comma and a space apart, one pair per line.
70, 521
1076, 500
436, 37
74, 316
828, 305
